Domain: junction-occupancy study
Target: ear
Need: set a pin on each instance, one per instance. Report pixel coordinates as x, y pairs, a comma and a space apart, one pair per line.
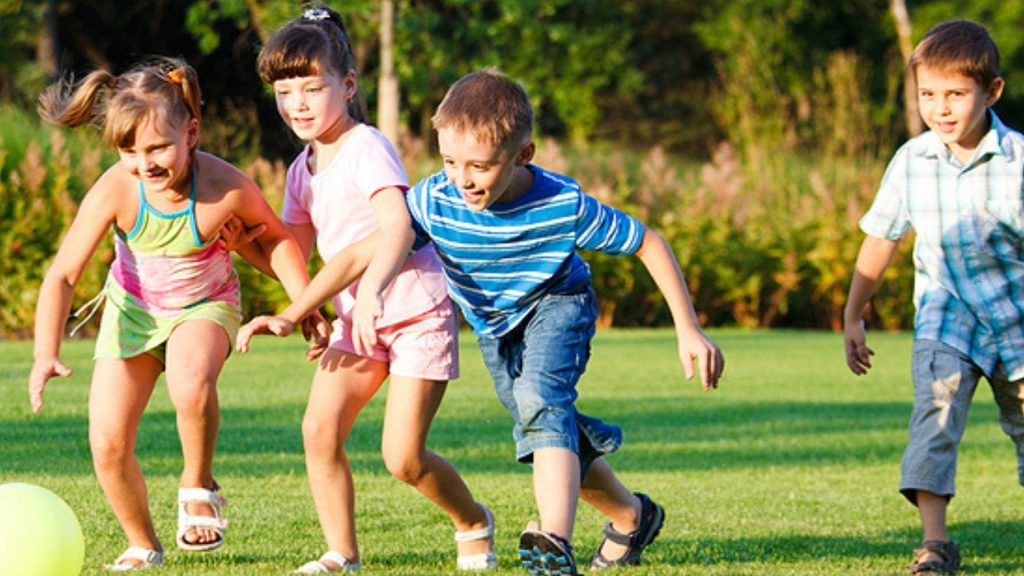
350, 84
995, 90
526, 152
192, 133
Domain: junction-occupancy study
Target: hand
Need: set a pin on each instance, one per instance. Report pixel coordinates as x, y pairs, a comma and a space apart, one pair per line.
234, 234
42, 370
710, 361
262, 325
317, 332
368, 308
858, 355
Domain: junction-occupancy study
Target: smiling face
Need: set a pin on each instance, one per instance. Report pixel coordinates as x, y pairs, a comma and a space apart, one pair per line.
316, 107
161, 155
483, 172
954, 107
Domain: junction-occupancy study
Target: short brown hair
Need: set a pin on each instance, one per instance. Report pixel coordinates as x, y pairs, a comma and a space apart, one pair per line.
958, 46
489, 105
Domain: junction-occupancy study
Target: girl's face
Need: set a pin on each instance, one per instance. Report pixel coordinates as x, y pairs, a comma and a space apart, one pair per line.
161, 155
954, 107
316, 107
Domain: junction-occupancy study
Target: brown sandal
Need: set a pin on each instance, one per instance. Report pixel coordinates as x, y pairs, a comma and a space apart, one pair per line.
944, 549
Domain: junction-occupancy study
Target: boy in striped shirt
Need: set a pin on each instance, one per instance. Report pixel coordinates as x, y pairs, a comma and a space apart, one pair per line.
507, 233
959, 187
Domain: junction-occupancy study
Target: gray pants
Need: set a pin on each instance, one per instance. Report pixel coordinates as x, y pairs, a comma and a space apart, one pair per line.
944, 384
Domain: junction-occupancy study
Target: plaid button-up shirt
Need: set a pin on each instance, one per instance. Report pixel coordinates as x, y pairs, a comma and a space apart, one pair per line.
969, 251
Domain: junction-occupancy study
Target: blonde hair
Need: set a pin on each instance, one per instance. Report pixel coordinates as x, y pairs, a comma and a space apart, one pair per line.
489, 105
958, 46
313, 43
164, 90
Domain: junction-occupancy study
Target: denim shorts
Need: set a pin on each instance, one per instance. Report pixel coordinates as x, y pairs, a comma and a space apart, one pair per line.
944, 383
535, 368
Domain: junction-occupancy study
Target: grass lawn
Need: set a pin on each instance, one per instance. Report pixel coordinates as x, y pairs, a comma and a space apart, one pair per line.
790, 468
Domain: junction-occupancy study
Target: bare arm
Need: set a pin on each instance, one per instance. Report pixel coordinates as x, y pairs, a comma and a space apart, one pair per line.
875, 256
694, 345
335, 276
392, 249
91, 224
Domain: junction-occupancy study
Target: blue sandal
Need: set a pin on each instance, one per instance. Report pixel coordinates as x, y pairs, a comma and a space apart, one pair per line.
652, 517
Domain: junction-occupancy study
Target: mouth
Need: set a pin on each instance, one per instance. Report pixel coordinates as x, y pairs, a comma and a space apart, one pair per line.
945, 127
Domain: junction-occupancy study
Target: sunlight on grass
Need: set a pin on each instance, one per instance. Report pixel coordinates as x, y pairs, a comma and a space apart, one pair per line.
790, 468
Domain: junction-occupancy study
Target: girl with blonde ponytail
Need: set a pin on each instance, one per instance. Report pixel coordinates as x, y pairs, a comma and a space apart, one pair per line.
171, 297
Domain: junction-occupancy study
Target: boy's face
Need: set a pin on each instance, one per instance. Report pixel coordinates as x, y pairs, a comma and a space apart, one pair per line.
954, 107
483, 172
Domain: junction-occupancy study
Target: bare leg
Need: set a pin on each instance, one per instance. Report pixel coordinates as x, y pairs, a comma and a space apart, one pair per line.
118, 395
556, 488
343, 384
932, 508
412, 404
196, 353
603, 490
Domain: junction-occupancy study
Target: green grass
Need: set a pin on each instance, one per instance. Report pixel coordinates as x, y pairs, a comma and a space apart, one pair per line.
790, 468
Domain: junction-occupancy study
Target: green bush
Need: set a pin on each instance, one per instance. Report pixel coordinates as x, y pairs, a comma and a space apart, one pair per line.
761, 244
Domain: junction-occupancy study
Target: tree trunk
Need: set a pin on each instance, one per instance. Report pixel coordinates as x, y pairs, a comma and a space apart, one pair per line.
48, 42
915, 125
387, 86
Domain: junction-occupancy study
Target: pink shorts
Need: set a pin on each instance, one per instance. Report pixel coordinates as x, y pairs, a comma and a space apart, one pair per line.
425, 346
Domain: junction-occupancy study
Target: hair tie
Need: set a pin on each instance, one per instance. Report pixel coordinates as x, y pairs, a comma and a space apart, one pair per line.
176, 76
112, 82
316, 14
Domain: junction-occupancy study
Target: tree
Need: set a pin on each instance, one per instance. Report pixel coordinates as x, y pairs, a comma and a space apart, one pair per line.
387, 83
898, 8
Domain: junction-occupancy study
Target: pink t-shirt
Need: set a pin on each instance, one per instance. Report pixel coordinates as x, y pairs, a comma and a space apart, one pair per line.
337, 203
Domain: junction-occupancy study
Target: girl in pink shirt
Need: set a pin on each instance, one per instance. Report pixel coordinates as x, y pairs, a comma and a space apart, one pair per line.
347, 183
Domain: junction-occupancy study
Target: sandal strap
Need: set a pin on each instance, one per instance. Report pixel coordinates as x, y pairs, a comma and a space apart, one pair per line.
479, 534
318, 566
201, 496
618, 537
944, 549
145, 555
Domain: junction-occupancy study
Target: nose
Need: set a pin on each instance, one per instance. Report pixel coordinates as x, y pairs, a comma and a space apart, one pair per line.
143, 162
461, 180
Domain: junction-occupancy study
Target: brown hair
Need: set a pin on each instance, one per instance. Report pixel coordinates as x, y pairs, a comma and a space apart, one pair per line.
489, 105
313, 43
958, 46
160, 89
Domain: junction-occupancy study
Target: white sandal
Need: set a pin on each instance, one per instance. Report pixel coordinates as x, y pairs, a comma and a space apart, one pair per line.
484, 560
318, 566
148, 558
188, 521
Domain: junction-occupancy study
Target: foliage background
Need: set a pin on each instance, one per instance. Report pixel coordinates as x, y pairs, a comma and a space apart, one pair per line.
751, 133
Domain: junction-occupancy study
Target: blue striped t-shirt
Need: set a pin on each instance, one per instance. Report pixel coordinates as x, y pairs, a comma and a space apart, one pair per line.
500, 261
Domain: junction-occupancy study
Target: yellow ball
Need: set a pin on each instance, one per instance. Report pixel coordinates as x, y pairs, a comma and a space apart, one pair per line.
39, 533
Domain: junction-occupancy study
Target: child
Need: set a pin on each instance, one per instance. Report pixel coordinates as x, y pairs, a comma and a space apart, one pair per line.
959, 187
348, 182
172, 292
507, 233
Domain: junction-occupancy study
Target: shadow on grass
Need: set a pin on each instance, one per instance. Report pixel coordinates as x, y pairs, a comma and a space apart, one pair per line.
660, 436
980, 552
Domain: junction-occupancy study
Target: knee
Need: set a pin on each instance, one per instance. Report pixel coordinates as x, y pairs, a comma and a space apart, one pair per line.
108, 450
194, 397
404, 465
320, 436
